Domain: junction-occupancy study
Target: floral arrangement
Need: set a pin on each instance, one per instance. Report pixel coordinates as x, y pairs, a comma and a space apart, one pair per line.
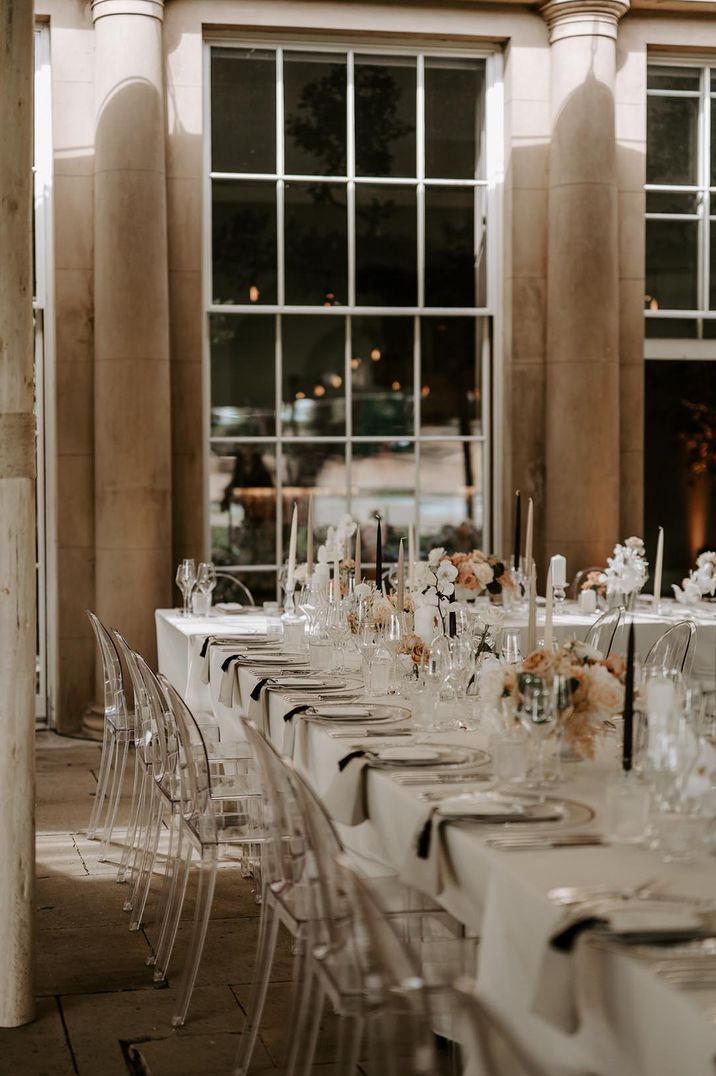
435, 581
700, 582
379, 607
413, 647
627, 569
478, 573
597, 690
596, 581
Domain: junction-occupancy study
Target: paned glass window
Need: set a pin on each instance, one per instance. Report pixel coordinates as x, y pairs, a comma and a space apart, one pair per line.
350, 205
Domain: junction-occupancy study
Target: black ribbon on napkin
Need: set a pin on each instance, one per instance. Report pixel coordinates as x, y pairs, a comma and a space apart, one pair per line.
256, 692
425, 838
296, 710
349, 758
205, 645
227, 661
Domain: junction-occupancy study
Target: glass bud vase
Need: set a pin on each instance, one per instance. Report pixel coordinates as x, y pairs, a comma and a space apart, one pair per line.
293, 623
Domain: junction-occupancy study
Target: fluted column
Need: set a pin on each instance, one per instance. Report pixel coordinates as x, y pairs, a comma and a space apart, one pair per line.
131, 332
582, 404
17, 519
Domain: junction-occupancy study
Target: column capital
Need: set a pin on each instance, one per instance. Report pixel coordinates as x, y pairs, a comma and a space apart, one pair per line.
102, 8
583, 18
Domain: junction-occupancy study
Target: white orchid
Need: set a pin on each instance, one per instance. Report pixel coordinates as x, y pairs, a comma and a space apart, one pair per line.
627, 569
700, 582
334, 548
435, 556
362, 591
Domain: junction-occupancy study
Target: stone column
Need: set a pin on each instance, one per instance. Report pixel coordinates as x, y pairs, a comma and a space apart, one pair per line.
17, 519
582, 402
131, 331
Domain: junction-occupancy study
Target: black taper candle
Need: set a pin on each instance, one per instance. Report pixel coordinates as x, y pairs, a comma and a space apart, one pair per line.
452, 624
378, 557
518, 529
628, 747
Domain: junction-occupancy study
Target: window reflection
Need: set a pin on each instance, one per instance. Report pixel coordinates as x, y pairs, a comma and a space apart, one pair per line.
386, 246
451, 515
243, 394
316, 244
243, 109
385, 116
315, 113
313, 375
318, 469
382, 375
383, 481
454, 89
244, 242
242, 497
450, 389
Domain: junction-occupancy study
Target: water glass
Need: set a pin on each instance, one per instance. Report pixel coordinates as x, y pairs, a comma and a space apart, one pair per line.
424, 705
627, 808
509, 757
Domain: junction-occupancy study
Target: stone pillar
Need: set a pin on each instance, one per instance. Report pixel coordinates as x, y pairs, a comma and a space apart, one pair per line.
582, 389
131, 330
17, 519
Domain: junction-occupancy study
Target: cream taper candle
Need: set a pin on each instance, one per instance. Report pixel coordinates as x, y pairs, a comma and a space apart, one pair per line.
290, 575
658, 566
309, 537
356, 573
548, 608
529, 537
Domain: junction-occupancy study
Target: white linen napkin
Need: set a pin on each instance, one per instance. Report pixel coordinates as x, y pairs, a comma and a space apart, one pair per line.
345, 799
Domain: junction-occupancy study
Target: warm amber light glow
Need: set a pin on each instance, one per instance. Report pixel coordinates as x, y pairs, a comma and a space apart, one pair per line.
319, 390
300, 395
375, 354
355, 363
254, 294
395, 386
336, 380
425, 390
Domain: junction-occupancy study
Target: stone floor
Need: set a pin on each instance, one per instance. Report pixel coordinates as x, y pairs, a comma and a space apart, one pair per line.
99, 1012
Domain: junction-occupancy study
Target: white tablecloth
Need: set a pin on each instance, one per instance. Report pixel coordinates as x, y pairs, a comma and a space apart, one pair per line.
628, 1021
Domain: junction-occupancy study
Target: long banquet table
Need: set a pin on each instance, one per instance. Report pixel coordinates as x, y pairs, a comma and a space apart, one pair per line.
600, 1009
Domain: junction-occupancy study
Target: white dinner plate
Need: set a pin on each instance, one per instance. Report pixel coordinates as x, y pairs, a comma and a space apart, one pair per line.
343, 711
498, 808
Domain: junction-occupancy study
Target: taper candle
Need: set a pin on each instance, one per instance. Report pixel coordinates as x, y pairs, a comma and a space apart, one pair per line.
401, 577
290, 575
532, 616
337, 581
659, 565
518, 529
411, 557
548, 608
528, 537
309, 537
356, 573
378, 557
628, 745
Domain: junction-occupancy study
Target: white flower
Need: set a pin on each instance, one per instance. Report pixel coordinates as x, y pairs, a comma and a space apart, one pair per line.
447, 572
635, 543
430, 596
445, 588
606, 694
690, 594
435, 556
322, 555
362, 591
424, 577
584, 652
483, 572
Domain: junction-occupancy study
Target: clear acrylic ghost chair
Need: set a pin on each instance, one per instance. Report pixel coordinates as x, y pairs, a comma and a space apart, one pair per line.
673, 649
118, 733
489, 1047
601, 634
419, 921
299, 850
216, 819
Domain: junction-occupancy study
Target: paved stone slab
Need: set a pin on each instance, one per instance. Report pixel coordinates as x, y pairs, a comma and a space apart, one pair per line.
277, 1027
98, 1024
229, 953
90, 961
37, 1049
197, 1055
56, 855
78, 901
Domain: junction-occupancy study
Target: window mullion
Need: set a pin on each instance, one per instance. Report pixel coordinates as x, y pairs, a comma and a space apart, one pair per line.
420, 173
705, 302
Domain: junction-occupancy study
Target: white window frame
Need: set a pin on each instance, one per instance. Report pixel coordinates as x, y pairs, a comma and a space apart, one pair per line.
43, 308
490, 437
679, 347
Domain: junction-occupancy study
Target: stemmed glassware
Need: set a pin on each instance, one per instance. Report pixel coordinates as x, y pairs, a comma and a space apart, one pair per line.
205, 582
185, 580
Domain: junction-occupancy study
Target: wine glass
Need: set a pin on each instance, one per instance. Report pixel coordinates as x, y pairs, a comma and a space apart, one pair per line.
510, 652
185, 580
206, 579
